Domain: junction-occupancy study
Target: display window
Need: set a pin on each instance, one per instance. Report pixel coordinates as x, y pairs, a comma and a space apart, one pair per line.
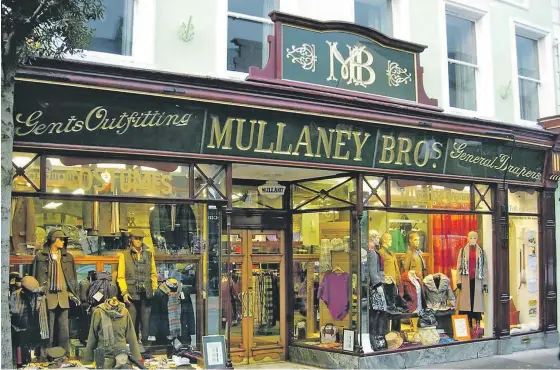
524, 261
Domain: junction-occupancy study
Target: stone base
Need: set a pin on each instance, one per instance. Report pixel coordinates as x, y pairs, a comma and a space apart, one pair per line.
524, 342
552, 339
395, 360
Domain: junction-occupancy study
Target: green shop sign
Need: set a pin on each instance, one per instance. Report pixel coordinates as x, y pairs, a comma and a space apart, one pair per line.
49, 113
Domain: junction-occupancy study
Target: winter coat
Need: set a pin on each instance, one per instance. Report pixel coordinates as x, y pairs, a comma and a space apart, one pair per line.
177, 236
41, 266
440, 296
464, 296
390, 265
377, 300
414, 261
106, 223
23, 224
409, 293
159, 318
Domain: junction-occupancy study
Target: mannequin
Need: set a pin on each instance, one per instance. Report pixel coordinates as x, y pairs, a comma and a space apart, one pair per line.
378, 317
55, 270
413, 259
172, 314
112, 329
390, 265
412, 291
137, 281
472, 271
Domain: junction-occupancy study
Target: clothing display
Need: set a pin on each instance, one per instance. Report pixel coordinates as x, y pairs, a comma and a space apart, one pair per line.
173, 227
325, 263
231, 306
172, 314
411, 291
414, 261
22, 231
111, 329
390, 264
266, 293
136, 272
398, 244
333, 290
472, 272
109, 218
438, 292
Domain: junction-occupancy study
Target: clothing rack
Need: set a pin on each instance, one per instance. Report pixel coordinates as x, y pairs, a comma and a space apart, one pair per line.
401, 221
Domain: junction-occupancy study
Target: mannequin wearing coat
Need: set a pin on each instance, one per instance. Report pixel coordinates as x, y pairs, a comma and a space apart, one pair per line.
413, 259
378, 317
472, 282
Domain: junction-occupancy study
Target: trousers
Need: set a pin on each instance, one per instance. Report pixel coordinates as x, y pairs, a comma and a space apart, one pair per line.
58, 329
140, 311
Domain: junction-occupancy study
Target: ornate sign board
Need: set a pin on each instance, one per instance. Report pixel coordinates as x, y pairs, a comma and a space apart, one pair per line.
343, 56
77, 116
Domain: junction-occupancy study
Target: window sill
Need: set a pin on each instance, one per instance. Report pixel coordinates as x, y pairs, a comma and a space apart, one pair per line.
106, 58
233, 75
467, 113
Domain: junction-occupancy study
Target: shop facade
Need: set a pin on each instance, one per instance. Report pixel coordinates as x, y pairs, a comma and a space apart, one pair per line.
297, 204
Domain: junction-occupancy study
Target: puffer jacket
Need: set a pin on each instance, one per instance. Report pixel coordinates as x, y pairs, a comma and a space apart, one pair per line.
439, 296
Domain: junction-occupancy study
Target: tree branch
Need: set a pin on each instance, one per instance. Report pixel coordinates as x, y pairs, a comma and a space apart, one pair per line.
34, 17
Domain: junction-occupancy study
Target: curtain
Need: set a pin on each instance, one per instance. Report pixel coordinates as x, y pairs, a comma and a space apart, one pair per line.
461, 47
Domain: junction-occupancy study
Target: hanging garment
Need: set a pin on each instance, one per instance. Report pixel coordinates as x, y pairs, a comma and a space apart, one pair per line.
333, 290
176, 224
325, 263
439, 295
112, 218
160, 320
480, 279
414, 261
411, 291
22, 230
398, 244
390, 264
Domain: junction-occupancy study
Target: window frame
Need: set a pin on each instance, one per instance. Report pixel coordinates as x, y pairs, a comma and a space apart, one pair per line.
391, 18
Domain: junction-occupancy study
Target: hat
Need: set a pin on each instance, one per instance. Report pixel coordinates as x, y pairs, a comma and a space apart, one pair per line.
15, 277
394, 340
137, 233
30, 283
55, 353
56, 233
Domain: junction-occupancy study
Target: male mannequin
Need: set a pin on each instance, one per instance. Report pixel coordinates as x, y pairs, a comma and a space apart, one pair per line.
55, 270
472, 270
413, 259
137, 280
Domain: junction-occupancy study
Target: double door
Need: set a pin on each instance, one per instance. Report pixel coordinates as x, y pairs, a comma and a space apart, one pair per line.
257, 330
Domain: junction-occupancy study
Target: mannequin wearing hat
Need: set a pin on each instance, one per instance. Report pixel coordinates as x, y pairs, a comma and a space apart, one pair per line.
137, 281
55, 270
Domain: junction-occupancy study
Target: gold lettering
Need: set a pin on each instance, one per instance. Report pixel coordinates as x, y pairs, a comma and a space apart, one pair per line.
339, 144
359, 144
307, 142
97, 112
418, 153
279, 139
217, 135
239, 136
326, 141
387, 153
436, 148
56, 126
166, 187
352, 68
260, 139
404, 150
458, 150
30, 122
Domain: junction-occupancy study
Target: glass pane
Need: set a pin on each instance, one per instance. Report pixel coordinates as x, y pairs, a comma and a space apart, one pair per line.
461, 42
247, 196
32, 171
231, 303
524, 273
416, 194
110, 267
113, 33
527, 57
483, 198
210, 181
247, 44
257, 8
523, 202
306, 303
327, 193
529, 99
374, 14
374, 192
236, 243
82, 270
462, 86
414, 261
266, 243
71, 175
265, 284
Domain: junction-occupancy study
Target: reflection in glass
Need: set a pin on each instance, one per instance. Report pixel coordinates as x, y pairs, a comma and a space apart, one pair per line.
523, 201
26, 172
417, 194
326, 193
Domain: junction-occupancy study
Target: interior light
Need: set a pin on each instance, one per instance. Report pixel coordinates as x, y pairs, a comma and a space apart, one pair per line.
438, 187
21, 161
56, 191
414, 206
55, 162
146, 168
111, 165
419, 186
52, 205
374, 183
151, 208
79, 191
467, 188
28, 184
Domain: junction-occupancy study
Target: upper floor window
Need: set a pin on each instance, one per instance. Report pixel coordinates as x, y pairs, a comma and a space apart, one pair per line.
248, 28
529, 77
113, 33
374, 14
462, 62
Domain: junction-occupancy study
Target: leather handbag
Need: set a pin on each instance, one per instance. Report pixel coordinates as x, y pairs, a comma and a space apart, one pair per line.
428, 336
329, 333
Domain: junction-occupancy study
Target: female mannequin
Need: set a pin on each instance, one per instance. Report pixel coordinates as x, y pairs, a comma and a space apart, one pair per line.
413, 259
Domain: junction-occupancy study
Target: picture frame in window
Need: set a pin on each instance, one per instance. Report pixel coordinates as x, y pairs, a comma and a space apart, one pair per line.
461, 327
214, 351
348, 337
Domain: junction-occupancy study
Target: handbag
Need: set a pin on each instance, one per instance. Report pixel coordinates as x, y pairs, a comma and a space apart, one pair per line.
427, 318
428, 336
379, 343
301, 331
329, 333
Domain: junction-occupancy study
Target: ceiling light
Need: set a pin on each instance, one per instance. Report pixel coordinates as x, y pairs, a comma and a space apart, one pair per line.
467, 188
79, 191
52, 205
146, 168
111, 165
151, 208
21, 161
55, 162
56, 191
438, 187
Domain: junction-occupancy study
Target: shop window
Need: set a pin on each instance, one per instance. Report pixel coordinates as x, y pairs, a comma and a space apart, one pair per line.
249, 196
482, 198
528, 76
462, 62
248, 28
524, 263
417, 194
414, 264
210, 182
85, 176
26, 172
374, 14
336, 192
374, 192
113, 33
324, 292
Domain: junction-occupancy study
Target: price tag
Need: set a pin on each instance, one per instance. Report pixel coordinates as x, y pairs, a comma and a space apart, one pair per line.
182, 295
98, 296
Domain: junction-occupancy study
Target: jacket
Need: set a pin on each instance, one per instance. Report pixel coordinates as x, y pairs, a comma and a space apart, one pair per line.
409, 292
123, 331
440, 296
464, 295
390, 265
415, 261
175, 223
134, 273
106, 224
41, 265
376, 275
159, 319
23, 224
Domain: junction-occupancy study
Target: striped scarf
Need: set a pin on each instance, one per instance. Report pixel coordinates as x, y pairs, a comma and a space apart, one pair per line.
43, 317
56, 276
464, 265
17, 306
173, 309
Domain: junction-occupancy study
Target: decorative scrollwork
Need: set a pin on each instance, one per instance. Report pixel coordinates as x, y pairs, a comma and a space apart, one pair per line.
304, 55
397, 75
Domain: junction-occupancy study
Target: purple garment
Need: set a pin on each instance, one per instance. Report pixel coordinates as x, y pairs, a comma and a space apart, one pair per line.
334, 292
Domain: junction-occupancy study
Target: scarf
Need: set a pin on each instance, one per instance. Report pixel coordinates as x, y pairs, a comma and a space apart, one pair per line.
464, 265
16, 303
43, 317
415, 281
56, 275
17, 306
173, 309
108, 313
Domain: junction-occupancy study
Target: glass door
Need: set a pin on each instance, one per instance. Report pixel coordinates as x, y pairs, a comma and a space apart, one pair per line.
257, 265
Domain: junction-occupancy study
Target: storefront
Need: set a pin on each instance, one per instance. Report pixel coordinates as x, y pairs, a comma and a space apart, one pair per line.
292, 209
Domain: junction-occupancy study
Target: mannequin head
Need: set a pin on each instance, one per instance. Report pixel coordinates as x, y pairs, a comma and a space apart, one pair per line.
56, 240
137, 239
414, 241
473, 238
373, 239
386, 240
